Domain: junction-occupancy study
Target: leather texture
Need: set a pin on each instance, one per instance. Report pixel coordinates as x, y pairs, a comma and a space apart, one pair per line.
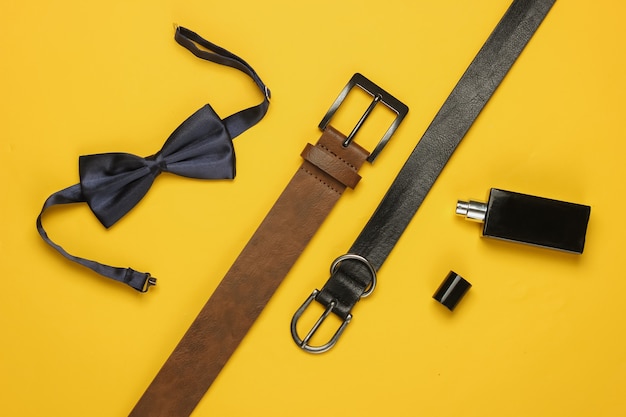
433, 151
327, 170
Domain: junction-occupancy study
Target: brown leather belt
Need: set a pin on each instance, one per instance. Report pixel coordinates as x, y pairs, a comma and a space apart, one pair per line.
328, 169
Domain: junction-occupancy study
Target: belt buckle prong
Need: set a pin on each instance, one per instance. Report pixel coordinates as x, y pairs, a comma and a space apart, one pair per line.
379, 95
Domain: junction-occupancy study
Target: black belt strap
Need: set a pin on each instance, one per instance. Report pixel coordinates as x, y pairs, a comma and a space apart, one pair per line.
354, 275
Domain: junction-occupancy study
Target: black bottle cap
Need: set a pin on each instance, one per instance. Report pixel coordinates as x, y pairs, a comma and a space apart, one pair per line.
451, 290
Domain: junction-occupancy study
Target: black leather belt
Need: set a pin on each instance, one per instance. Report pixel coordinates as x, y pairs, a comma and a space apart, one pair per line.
353, 276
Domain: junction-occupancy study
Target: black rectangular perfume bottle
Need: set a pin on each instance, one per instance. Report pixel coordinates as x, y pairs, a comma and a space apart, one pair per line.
529, 219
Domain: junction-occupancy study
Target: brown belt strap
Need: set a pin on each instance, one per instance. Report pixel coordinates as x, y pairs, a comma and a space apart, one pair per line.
328, 168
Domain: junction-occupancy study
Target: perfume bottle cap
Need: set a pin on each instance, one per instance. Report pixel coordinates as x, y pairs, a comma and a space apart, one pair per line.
451, 290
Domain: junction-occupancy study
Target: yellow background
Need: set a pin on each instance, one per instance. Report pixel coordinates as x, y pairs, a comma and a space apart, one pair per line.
541, 333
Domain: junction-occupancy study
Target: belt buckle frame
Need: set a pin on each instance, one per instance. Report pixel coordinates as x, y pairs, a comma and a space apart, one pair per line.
379, 96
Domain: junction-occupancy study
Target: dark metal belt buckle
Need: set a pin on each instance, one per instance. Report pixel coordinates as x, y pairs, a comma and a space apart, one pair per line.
304, 343
379, 96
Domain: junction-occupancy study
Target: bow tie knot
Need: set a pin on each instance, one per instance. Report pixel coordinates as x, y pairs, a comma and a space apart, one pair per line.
156, 163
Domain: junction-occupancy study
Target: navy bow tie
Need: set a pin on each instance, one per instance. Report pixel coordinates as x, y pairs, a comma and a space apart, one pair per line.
113, 183
201, 147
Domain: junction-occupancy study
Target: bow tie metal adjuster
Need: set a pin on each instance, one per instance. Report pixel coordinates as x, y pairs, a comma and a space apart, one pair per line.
400, 109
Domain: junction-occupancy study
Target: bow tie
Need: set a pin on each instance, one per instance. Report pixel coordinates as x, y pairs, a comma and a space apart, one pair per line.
201, 147
113, 183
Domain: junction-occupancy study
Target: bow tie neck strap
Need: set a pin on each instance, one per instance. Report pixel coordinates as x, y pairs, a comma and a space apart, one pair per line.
140, 281
243, 120
201, 147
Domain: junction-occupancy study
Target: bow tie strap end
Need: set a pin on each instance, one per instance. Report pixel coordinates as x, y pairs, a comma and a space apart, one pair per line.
141, 281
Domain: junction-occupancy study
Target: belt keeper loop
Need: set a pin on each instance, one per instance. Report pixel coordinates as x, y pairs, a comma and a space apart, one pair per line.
331, 165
